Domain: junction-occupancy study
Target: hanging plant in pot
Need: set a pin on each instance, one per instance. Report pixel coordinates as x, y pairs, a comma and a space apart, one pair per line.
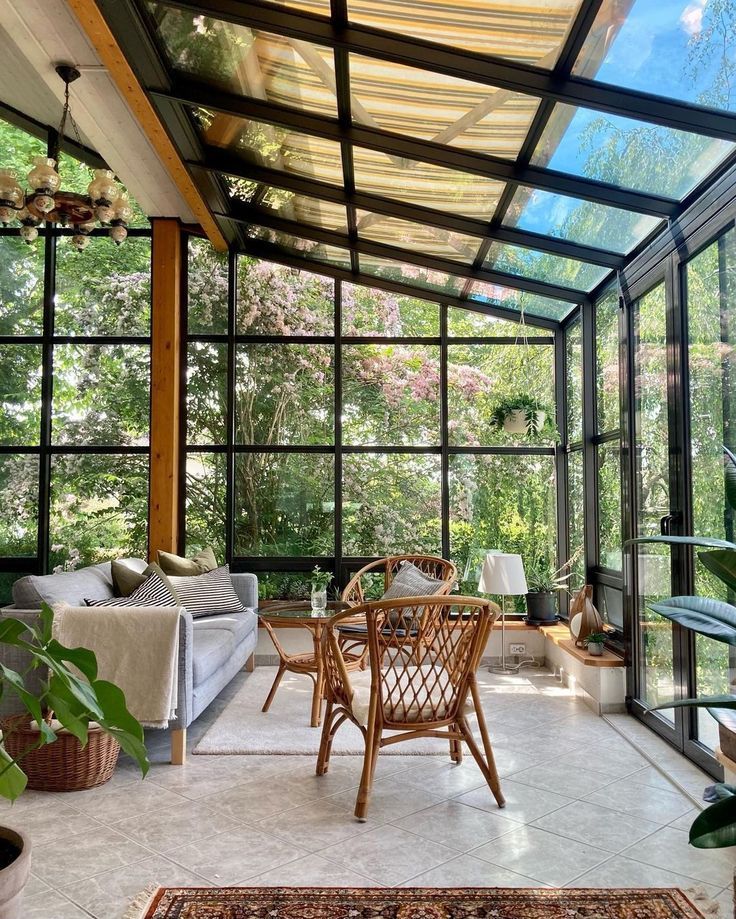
524, 415
81, 704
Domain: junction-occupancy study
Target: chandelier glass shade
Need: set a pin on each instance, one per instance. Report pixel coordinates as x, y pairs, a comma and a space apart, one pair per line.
44, 199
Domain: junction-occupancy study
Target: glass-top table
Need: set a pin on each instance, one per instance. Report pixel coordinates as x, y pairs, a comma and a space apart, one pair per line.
299, 614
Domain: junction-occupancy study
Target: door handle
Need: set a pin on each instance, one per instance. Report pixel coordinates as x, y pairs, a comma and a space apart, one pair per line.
666, 523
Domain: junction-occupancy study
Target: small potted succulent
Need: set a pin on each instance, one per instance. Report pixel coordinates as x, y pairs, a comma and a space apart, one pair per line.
526, 415
543, 584
320, 582
594, 643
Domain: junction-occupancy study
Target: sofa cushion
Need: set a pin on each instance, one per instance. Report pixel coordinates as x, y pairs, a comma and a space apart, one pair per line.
240, 625
212, 648
187, 567
208, 593
128, 574
71, 587
154, 591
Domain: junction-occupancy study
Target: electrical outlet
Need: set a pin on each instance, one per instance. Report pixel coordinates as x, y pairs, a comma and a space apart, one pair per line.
517, 649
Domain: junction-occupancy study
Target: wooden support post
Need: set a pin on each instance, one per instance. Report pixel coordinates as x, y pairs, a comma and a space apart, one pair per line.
163, 513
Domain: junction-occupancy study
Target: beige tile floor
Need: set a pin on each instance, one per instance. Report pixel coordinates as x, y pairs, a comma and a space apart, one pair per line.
584, 808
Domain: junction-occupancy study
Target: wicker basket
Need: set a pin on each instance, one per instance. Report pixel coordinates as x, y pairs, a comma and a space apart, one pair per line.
64, 765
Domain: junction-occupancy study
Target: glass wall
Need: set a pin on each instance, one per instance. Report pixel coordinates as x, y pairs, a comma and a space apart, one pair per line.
575, 452
74, 392
711, 302
330, 423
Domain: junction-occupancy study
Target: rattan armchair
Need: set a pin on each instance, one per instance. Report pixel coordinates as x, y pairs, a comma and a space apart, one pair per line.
424, 653
432, 565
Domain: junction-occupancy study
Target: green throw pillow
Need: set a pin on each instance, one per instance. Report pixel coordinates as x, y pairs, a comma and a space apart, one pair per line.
126, 580
179, 567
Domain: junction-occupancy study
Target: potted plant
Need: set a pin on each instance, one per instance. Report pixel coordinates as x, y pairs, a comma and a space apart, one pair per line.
526, 415
594, 643
320, 583
79, 703
543, 583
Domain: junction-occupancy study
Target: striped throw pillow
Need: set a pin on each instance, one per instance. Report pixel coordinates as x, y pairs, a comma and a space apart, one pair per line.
209, 593
154, 591
410, 581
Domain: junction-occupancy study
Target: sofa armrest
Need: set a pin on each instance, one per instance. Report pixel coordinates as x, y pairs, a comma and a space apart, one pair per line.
246, 587
19, 660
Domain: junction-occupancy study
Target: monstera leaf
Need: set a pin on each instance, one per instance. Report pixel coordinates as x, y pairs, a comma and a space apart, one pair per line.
712, 618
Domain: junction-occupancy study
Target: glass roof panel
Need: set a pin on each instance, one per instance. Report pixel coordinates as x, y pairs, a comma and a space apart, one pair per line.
440, 108
556, 269
675, 48
520, 300
425, 184
303, 248
626, 152
532, 31
411, 274
463, 322
419, 237
273, 146
245, 61
579, 221
303, 209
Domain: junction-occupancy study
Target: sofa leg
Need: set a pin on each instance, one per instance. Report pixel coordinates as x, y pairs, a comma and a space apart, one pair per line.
250, 664
178, 747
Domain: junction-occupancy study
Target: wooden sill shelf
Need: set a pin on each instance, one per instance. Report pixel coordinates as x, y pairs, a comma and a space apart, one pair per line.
560, 635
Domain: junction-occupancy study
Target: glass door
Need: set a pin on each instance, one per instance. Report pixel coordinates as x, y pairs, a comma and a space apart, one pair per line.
655, 639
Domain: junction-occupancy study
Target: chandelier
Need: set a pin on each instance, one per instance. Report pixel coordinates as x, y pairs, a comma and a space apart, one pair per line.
105, 203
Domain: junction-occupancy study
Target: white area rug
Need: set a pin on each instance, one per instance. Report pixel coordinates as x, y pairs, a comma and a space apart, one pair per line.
244, 729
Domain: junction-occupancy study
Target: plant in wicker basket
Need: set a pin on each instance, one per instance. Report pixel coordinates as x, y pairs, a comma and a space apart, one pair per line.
80, 709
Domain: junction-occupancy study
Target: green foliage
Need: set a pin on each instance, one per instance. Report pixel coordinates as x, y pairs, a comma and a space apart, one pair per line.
532, 408
320, 579
715, 827
73, 700
596, 638
541, 576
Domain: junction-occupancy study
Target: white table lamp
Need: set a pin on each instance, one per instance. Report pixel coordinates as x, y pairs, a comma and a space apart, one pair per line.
503, 575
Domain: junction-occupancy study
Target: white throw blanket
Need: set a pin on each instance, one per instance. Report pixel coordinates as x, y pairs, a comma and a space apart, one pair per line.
136, 648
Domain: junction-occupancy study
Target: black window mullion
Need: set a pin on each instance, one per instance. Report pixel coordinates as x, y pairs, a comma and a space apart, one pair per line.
338, 432
230, 422
444, 437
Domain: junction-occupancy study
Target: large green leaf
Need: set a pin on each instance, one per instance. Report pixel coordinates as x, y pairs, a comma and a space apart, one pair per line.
729, 469
708, 541
715, 827
727, 701
712, 618
721, 563
81, 658
12, 778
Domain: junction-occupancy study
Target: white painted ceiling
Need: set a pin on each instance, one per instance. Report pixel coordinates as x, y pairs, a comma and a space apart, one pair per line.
35, 35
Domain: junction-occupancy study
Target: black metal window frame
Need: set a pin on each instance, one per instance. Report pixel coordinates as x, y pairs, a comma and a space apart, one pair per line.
45, 448
342, 567
172, 95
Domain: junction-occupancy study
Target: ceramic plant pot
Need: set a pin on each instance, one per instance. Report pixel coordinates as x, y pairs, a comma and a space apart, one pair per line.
542, 606
515, 422
14, 877
595, 648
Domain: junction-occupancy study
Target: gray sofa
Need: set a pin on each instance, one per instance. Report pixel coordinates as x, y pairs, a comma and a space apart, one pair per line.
212, 649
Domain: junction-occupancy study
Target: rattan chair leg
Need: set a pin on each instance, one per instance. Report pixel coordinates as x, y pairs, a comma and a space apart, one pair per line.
274, 687
323, 757
372, 744
490, 776
485, 737
456, 746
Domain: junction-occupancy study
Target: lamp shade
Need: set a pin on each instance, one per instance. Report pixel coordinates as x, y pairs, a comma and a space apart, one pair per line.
502, 574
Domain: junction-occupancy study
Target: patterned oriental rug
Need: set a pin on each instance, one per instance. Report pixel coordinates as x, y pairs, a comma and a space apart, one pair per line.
435, 903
